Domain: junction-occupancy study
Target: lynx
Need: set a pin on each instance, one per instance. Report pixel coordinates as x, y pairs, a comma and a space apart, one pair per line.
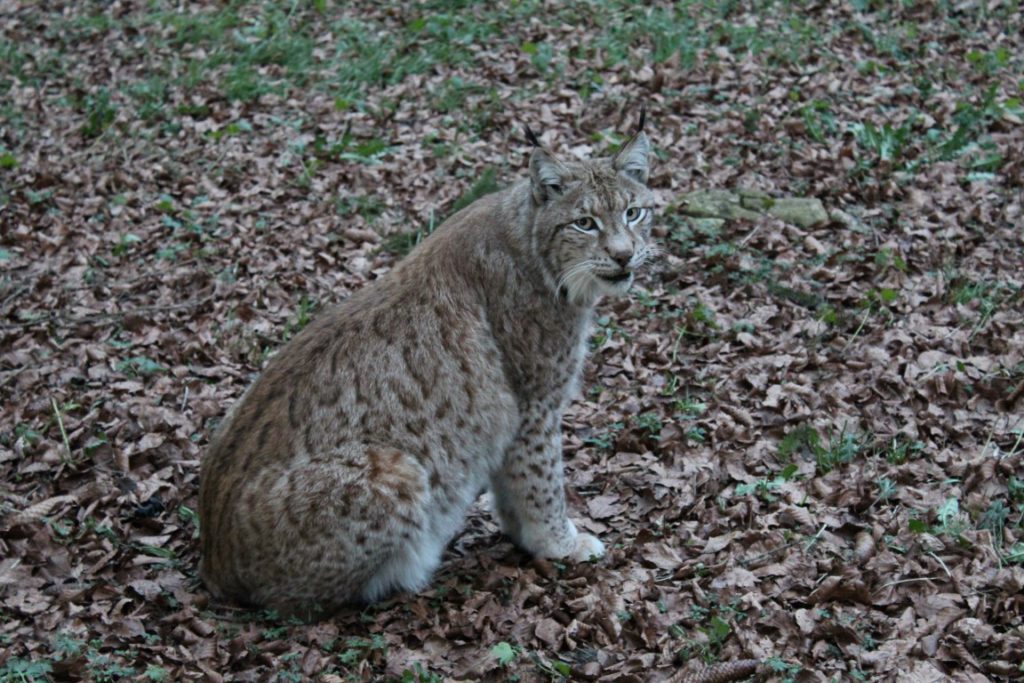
345, 469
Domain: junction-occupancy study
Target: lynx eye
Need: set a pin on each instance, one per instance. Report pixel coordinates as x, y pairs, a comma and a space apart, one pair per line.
633, 214
585, 224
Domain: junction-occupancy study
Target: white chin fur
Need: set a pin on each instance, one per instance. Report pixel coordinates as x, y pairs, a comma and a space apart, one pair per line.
583, 289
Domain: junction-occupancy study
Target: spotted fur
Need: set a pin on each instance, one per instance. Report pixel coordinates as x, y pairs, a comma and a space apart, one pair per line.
347, 467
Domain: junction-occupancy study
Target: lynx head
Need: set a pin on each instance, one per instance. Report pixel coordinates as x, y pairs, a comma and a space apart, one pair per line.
592, 219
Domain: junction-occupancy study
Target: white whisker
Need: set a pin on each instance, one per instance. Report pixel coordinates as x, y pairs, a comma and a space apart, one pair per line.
576, 279
648, 254
573, 271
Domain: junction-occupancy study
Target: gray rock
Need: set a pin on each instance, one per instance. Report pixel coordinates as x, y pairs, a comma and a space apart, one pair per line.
715, 204
708, 226
755, 200
803, 212
725, 205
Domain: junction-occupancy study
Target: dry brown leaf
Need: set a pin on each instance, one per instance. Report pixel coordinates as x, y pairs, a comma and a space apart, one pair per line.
43, 508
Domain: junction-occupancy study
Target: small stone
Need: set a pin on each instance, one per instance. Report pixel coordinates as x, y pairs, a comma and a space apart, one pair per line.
848, 220
814, 246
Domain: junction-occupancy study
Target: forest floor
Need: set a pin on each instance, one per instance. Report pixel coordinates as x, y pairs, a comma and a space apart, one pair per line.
802, 440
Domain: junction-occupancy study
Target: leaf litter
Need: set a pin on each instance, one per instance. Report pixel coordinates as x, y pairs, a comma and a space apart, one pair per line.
801, 439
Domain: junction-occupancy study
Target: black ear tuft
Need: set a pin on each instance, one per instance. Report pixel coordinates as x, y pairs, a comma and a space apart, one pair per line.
531, 137
643, 118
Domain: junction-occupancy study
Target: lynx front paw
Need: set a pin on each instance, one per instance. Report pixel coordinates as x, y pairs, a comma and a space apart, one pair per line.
587, 547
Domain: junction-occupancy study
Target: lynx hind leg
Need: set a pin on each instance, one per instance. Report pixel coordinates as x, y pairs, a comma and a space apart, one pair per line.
346, 527
409, 568
397, 534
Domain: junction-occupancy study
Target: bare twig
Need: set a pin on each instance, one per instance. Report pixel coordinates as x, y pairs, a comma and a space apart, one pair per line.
750, 235
899, 581
856, 332
746, 562
1019, 431
939, 560
810, 543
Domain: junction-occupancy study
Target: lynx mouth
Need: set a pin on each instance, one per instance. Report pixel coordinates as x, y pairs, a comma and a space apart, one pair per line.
616, 279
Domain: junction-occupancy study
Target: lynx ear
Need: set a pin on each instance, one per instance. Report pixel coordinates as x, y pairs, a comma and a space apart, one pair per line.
632, 158
547, 175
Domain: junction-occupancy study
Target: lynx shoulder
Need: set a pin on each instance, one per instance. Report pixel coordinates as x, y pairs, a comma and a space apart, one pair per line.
350, 463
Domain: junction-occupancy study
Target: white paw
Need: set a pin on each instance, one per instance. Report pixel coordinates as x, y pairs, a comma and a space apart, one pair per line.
587, 547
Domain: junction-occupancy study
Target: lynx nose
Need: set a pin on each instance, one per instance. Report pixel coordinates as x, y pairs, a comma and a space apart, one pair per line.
622, 258
619, 248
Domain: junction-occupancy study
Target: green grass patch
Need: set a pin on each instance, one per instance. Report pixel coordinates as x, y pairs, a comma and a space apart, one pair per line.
99, 111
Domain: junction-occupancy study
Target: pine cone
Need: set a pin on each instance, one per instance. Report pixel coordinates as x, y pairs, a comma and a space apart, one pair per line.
721, 673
